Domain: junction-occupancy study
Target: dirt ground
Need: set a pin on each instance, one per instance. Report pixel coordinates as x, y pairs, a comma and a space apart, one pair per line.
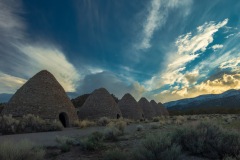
129, 141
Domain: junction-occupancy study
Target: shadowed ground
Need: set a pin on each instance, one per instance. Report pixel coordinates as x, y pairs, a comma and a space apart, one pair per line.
48, 138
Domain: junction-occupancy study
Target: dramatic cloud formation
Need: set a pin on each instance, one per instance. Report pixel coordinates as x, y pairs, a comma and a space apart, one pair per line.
160, 49
10, 83
53, 60
28, 59
189, 47
187, 72
112, 82
215, 86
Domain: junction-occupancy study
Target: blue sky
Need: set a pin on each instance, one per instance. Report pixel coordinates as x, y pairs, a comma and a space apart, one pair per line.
160, 49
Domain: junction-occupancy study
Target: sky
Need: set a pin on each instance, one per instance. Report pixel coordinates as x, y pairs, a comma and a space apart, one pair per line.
160, 49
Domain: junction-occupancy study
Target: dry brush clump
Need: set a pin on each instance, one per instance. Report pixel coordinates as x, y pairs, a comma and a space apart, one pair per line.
120, 125
65, 143
203, 140
115, 154
8, 125
140, 127
114, 130
155, 126
179, 120
84, 123
23, 150
92, 142
159, 118
103, 121
31, 123
156, 147
111, 134
208, 140
27, 124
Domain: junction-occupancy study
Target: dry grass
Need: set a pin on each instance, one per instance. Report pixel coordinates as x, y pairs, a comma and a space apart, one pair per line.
8, 125
24, 150
27, 124
84, 123
179, 120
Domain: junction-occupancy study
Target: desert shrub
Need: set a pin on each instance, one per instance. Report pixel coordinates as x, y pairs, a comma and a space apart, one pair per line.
24, 150
154, 126
228, 119
65, 147
8, 125
208, 140
232, 158
120, 125
27, 124
192, 117
157, 147
103, 121
159, 118
179, 120
96, 136
92, 142
128, 121
84, 123
156, 119
53, 125
65, 143
206, 118
76, 123
140, 127
115, 154
111, 133
169, 121
146, 121
31, 123
65, 139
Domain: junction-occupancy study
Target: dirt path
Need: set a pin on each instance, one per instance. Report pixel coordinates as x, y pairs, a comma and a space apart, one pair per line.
48, 138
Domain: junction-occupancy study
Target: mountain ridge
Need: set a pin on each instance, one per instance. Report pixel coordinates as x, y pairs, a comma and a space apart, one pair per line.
230, 98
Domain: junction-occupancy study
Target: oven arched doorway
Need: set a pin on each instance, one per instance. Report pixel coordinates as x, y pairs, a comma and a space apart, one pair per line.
63, 117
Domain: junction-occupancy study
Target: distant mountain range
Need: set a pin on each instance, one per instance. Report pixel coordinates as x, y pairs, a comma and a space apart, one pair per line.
230, 99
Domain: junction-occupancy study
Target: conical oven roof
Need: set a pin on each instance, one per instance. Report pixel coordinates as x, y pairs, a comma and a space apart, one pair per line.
41, 95
147, 108
130, 108
99, 104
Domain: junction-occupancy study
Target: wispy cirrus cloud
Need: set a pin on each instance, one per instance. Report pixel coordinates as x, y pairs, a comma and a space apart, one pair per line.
11, 26
158, 11
153, 22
